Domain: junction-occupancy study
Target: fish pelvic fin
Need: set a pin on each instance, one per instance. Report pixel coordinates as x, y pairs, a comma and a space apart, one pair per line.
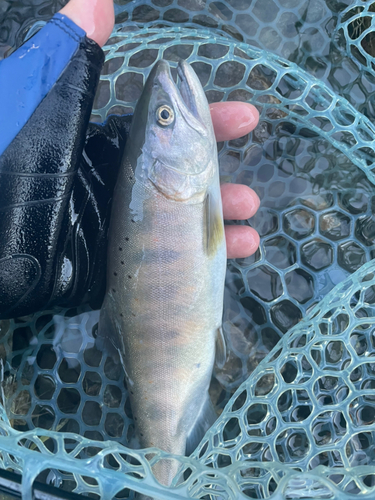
206, 417
221, 348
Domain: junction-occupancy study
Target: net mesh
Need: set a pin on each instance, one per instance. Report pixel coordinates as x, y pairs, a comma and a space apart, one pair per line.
296, 395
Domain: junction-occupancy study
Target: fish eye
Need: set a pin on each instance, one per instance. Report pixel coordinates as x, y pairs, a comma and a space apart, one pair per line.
164, 115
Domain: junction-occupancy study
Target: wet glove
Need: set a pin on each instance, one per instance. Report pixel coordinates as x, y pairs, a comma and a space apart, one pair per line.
52, 226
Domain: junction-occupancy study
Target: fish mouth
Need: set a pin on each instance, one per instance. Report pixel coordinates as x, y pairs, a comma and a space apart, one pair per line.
187, 94
192, 93
185, 87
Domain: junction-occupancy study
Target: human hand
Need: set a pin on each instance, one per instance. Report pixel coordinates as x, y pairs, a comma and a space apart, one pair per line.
232, 120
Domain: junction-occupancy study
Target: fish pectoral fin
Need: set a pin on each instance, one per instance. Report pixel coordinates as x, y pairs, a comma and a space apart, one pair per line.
206, 417
214, 222
221, 349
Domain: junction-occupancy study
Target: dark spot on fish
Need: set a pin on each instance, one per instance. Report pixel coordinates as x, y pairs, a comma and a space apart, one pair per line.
121, 315
127, 239
133, 220
115, 274
120, 248
131, 392
113, 290
135, 418
122, 262
198, 365
129, 276
131, 177
141, 434
133, 314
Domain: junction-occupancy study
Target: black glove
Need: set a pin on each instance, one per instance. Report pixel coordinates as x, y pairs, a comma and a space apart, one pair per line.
54, 205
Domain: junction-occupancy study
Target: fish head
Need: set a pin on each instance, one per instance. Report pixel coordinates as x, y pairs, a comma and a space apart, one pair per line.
172, 134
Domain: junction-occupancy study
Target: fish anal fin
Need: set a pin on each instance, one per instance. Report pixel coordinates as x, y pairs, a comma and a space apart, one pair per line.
221, 349
214, 222
206, 417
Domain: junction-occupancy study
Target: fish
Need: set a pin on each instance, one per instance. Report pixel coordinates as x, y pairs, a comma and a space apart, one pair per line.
166, 265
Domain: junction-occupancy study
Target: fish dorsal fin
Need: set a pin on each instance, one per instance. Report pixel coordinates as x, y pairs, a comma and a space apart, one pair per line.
221, 348
214, 222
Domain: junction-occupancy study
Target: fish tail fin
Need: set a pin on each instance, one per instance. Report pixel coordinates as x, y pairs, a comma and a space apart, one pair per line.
206, 417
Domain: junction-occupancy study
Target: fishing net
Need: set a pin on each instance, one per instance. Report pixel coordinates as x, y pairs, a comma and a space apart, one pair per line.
296, 396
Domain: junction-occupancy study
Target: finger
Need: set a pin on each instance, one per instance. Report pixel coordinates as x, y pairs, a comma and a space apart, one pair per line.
242, 241
96, 17
233, 119
239, 201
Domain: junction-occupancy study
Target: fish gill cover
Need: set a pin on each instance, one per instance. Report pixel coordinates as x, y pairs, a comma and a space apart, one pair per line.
296, 395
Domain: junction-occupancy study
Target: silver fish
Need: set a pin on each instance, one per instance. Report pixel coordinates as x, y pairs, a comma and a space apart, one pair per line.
166, 263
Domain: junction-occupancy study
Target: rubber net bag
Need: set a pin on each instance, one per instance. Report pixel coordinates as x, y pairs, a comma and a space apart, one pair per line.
296, 398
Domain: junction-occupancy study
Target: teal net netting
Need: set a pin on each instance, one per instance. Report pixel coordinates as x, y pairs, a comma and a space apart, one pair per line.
296, 397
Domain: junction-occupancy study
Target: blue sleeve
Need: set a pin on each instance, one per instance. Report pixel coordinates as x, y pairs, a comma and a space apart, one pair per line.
28, 74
